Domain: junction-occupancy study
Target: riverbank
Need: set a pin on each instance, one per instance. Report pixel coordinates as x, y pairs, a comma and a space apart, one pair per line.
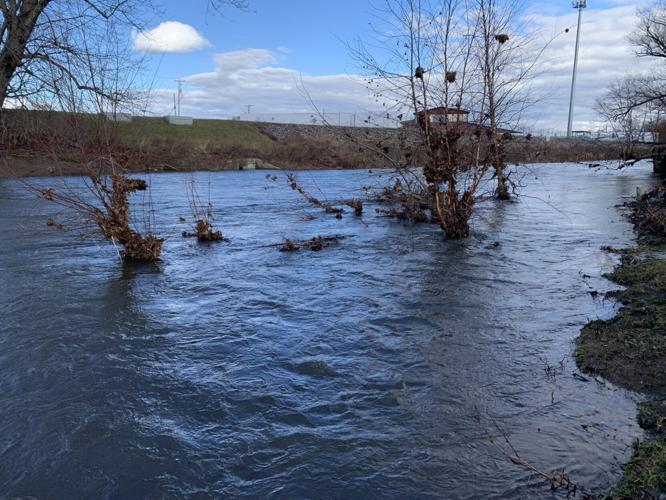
35, 143
630, 349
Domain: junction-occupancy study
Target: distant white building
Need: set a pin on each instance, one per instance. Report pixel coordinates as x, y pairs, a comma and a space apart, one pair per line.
342, 119
180, 120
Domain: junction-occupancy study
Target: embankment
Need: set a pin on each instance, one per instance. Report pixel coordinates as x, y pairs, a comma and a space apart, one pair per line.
630, 349
46, 143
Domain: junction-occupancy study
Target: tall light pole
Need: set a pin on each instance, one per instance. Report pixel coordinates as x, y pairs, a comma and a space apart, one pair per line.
180, 95
580, 5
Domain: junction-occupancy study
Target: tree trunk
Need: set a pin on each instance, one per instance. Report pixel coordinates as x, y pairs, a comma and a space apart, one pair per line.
502, 188
456, 212
19, 22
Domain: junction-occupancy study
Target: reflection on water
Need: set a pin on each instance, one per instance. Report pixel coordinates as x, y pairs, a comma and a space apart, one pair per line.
237, 370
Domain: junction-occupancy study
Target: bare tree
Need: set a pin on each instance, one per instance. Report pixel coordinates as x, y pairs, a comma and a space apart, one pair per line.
40, 40
645, 91
629, 121
506, 60
449, 65
43, 40
649, 38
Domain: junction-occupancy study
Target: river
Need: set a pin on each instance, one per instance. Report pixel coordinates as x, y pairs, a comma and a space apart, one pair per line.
360, 371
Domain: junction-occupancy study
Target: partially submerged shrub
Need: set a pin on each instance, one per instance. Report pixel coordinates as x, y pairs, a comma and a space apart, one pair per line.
649, 214
110, 211
357, 205
204, 232
203, 216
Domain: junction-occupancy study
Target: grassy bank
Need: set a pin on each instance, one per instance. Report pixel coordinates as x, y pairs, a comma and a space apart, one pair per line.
202, 135
45, 143
630, 349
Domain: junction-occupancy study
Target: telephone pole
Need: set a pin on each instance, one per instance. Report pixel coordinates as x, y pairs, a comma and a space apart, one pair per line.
580, 5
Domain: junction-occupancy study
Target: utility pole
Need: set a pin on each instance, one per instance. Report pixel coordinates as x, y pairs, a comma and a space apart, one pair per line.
180, 94
580, 5
249, 108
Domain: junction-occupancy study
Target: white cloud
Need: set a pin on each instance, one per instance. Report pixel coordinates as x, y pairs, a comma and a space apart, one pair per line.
605, 56
248, 77
169, 36
253, 76
238, 60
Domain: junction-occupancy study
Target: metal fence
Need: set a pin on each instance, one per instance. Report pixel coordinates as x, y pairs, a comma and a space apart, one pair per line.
342, 119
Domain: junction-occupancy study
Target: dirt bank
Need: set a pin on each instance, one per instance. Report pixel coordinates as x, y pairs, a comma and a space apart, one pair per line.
48, 143
630, 349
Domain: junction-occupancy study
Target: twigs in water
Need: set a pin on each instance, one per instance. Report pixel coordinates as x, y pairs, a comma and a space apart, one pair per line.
357, 205
204, 232
557, 480
328, 208
412, 203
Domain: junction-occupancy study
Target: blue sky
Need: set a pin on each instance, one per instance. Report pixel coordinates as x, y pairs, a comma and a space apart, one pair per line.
267, 55
312, 34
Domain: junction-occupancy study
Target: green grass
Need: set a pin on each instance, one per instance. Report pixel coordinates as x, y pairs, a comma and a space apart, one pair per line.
630, 349
652, 416
645, 475
201, 135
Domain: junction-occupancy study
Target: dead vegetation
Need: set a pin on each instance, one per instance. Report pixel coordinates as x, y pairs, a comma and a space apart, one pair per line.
203, 215
558, 480
314, 244
326, 206
648, 214
204, 232
408, 200
357, 205
105, 202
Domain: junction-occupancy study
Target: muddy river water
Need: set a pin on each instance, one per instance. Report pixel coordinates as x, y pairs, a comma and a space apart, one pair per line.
370, 369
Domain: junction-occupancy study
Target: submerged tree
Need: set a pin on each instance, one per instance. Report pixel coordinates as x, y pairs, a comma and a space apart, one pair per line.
105, 202
203, 215
446, 64
506, 58
91, 78
73, 56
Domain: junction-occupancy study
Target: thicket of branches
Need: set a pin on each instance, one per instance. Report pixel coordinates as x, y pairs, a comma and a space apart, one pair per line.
461, 55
